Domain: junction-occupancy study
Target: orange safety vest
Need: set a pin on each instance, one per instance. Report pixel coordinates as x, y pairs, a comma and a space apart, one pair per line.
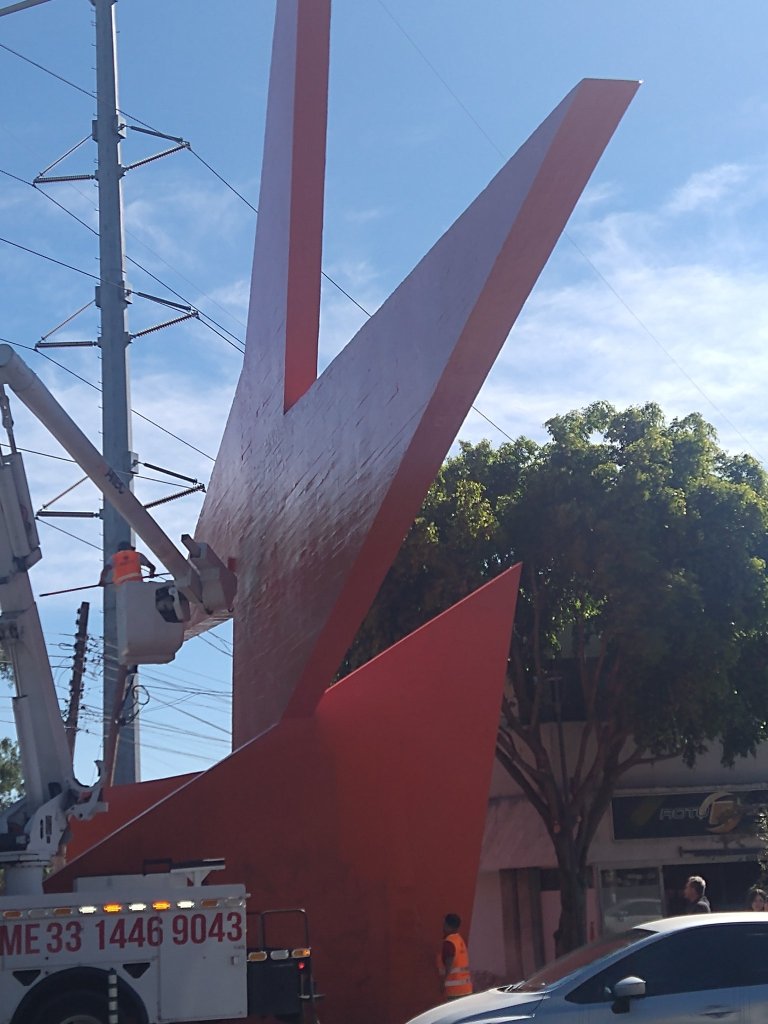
126, 567
458, 981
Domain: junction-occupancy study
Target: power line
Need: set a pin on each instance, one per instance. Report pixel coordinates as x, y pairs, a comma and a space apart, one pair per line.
48, 71
141, 416
134, 262
238, 345
50, 259
223, 639
74, 536
581, 252
437, 74
204, 162
204, 638
235, 344
170, 433
196, 718
222, 179
40, 192
72, 85
46, 455
666, 351
164, 749
496, 425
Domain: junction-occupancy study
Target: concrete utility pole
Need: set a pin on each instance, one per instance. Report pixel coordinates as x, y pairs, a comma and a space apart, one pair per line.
112, 300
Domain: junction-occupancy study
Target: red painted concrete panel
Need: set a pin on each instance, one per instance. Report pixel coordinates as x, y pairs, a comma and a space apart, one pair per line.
369, 813
125, 803
285, 292
313, 503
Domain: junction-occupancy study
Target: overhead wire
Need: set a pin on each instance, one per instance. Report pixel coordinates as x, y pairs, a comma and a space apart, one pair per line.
61, 664
238, 343
233, 341
50, 259
220, 643
50, 199
210, 643
141, 416
204, 162
65, 458
598, 273
130, 117
221, 640
156, 704
52, 526
221, 178
164, 749
134, 262
48, 71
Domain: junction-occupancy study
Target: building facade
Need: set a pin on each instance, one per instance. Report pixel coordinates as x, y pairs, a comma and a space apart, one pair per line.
666, 822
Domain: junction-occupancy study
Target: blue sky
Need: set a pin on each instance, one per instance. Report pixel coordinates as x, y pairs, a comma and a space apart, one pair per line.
658, 291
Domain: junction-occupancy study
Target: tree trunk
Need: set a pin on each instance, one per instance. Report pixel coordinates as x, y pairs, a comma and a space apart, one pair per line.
573, 875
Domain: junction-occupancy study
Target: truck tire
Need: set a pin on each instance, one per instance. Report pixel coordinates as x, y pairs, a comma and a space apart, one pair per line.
81, 1007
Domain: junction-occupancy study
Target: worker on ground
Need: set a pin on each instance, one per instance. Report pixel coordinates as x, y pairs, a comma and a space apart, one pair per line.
453, 962
125, 566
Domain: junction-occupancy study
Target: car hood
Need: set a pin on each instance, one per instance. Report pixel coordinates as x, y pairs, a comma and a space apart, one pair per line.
496, 1006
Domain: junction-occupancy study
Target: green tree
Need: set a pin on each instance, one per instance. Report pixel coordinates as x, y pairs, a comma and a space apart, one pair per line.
642, 623
11, 782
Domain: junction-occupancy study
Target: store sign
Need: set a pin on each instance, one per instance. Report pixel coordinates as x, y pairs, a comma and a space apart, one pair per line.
717, 812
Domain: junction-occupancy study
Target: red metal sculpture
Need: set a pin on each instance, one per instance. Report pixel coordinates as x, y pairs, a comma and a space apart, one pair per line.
336, 799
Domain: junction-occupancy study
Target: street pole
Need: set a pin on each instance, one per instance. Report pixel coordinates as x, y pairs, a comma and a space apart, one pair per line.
112, 300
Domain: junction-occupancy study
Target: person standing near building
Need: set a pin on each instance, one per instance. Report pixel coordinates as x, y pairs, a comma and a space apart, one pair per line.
453, 962
125, 566
694, 891
758, 899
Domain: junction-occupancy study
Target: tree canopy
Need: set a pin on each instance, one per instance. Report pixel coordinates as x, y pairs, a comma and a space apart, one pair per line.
11, 782
643, 610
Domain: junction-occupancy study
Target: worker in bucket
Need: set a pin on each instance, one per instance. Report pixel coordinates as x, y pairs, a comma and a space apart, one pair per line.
125, 566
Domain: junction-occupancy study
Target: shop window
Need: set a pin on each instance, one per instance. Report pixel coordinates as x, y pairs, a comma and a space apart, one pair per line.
629, 897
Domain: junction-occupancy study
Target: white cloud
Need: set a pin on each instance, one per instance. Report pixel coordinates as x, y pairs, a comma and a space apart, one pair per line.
365, 216
708, 187
598, 195
234, 297
186, 226
341, 318
666, 318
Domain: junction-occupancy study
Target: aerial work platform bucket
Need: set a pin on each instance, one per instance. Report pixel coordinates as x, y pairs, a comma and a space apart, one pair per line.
150, 622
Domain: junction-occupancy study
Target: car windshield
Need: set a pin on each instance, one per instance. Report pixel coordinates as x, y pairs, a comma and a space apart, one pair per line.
578, 958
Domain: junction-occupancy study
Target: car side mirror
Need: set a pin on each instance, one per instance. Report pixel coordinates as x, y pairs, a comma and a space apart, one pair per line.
626, 990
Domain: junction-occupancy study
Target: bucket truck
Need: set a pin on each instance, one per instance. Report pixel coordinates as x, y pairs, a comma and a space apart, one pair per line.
134, 949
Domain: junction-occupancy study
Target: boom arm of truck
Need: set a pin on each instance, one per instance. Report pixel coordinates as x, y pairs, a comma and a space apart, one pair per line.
31, 832
203, 579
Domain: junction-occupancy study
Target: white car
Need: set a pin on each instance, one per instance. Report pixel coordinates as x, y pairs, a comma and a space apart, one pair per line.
681, 970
